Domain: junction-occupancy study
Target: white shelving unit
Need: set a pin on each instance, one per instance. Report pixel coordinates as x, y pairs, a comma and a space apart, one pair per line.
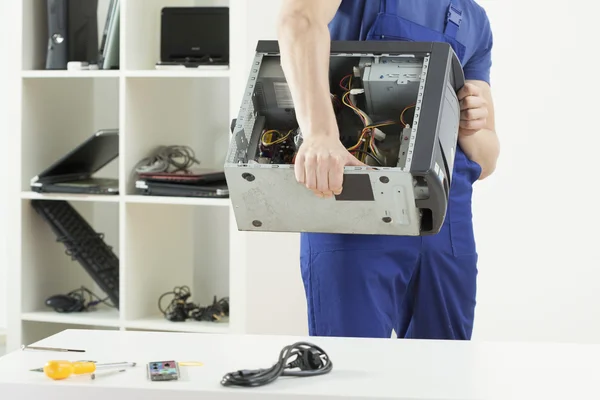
161, 242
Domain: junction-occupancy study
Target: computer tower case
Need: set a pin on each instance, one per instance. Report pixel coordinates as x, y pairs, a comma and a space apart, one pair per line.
406, 97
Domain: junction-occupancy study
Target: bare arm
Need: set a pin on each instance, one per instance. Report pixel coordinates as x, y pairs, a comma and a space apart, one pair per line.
480, 145
305, 48
304, 42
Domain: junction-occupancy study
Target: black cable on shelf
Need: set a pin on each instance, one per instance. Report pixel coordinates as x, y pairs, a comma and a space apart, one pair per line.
78, 300
181, 309
300, 359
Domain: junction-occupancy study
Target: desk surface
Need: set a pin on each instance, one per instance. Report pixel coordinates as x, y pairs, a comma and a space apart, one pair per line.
362, 369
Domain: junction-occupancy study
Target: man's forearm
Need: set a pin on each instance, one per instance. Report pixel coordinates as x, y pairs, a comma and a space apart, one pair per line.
305, 50
482, 147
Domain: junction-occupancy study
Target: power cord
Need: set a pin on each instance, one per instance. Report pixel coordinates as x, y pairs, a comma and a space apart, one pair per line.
180, 309
212, 313
168, 159
77, 301
300, 359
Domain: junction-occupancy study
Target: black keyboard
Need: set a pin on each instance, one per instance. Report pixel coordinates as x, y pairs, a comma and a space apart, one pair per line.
83, 244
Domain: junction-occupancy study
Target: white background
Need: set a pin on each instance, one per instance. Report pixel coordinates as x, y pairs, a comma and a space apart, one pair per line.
536, 217
4, 99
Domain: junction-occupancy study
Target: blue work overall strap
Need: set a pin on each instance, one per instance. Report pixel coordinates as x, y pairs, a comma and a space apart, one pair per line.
453, 20
388, 7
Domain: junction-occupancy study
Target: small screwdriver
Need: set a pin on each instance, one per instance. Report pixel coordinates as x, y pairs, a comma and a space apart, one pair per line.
61, 369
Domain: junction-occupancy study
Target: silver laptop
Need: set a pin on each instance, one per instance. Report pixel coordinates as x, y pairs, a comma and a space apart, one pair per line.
110, 46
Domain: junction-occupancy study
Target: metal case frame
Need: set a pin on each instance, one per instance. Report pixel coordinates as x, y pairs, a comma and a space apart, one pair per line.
410, 199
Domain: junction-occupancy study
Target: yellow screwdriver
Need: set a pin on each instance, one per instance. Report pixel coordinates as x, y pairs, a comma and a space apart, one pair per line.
61, 369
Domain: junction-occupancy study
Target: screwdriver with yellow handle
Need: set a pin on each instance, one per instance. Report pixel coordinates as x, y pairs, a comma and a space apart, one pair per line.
61, 369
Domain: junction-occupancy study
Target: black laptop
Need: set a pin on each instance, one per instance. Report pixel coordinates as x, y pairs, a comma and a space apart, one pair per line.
74, 172
194, 37
215, 189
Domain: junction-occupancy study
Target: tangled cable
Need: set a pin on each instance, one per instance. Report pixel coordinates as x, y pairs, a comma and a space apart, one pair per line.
79, 300
168, 159
181, 309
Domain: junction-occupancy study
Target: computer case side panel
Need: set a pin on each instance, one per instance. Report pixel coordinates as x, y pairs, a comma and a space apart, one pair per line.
72, 32
57, 52
433, 155
83, 31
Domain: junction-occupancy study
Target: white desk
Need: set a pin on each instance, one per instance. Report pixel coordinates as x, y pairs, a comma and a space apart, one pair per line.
362, 369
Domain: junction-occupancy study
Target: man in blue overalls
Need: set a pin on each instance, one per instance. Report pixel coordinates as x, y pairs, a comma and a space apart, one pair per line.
371, 286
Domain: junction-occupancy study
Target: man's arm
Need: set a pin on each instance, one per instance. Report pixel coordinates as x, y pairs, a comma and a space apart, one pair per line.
478, 137
305, 48
304, 43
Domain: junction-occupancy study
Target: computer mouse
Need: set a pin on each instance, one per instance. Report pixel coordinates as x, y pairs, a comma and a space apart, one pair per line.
65, 304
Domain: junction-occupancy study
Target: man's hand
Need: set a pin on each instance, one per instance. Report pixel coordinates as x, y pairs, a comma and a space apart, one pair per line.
320, 164
477, 133
473, 109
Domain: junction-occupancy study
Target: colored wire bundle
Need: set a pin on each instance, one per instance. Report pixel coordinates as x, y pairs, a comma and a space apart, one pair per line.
276, 143
365, 146
268, 140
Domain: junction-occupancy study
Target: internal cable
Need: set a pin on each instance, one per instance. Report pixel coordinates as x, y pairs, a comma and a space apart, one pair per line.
365, 146
368, 154
402, 114
267, 137
300, 359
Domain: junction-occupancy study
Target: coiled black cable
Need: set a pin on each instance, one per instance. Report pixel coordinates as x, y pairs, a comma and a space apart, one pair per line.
300, 359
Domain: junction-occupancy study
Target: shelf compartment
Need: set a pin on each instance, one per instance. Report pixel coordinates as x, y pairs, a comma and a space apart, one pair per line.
69, 74
34, 331
189, 112
177, 201
143, 19
83, 244
46, 269
35, 35
100, 317
172, 246
177, 73
60, 114
161, 324
70, 197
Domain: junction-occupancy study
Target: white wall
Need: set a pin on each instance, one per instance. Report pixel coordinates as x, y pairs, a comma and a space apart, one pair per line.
536, 218
4, 133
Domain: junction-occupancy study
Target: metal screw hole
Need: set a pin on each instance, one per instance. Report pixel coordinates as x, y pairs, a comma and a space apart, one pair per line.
248, 177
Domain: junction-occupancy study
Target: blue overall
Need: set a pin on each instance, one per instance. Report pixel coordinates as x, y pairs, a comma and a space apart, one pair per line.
417, 287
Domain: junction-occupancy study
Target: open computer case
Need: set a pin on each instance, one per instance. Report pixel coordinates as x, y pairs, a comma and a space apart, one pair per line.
397, 111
